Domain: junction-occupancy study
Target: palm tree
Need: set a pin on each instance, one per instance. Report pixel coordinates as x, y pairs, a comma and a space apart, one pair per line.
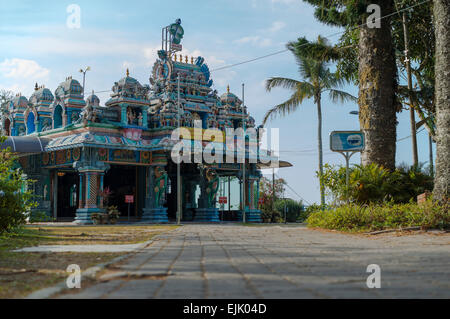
441, 190
317, 80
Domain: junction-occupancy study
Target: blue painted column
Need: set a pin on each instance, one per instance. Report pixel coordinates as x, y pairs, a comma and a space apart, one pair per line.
145, 118
152, 213
91, 190
123, 114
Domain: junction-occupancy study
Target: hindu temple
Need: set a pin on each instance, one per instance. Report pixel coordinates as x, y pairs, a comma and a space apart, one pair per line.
80, 150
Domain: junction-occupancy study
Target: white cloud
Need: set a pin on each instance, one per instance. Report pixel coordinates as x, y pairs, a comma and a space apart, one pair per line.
284, 1
255, 40
277, 26
20, 75
19, 68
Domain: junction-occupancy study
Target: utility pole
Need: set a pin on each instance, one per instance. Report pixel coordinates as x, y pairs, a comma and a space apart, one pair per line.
245, 151
179, 163
411, 107
273, 189
430, 145
84, 76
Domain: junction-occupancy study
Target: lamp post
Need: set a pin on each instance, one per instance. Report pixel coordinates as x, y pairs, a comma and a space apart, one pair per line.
178, 165
84, 75
243, 166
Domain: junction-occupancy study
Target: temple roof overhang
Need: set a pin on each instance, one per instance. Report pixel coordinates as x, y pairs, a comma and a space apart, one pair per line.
26, 145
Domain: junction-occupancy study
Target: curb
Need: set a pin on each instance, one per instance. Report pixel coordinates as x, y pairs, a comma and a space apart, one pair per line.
88, 273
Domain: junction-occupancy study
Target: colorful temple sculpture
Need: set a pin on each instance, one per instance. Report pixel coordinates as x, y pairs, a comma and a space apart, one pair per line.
125, 146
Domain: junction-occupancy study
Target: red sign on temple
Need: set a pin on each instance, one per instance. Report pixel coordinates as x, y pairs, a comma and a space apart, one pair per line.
129, 199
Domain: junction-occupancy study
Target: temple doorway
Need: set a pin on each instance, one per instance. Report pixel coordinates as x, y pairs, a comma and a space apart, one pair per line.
67, 197
126, 180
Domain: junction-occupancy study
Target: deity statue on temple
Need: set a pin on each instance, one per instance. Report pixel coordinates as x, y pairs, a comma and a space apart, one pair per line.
160, 185
212, 186
131, 116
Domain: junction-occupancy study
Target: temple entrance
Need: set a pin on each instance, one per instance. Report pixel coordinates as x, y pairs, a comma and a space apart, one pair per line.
125, 180
67, 198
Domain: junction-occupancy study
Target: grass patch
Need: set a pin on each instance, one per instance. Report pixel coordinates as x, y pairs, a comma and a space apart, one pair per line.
22, 273
372, 217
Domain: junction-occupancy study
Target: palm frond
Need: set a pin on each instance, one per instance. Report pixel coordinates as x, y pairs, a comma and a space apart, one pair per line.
304, 90
341, 96
283, 108
281, 82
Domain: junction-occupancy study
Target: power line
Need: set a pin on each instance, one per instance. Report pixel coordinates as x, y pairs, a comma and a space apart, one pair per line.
285, 50
406, 137
328, 36
294, 191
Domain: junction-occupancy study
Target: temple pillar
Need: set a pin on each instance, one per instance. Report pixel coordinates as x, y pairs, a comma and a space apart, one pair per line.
156, 183
145, 118
90, 189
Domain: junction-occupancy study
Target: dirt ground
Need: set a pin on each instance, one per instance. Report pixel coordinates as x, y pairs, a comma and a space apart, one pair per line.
22, 273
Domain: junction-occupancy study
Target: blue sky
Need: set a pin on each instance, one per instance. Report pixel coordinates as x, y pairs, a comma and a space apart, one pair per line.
37, 46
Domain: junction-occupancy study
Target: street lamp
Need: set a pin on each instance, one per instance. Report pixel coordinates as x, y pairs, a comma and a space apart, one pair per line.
84, 76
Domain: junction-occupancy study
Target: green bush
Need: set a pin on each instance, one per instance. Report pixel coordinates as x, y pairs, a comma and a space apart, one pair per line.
293, 209
271, 216
15, 200
39, 217
375, 184
371, 217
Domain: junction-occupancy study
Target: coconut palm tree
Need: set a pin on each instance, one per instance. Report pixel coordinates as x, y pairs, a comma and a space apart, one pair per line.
317, 80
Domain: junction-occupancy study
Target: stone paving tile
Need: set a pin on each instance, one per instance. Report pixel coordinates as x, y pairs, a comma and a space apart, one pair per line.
135, 289
231, 261
93, 292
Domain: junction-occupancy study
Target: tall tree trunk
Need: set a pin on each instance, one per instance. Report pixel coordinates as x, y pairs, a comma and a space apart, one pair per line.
378, 81
412, 117
319, 138
442, 97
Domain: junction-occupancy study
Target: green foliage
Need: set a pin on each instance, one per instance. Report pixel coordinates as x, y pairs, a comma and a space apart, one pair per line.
373, 183
354, 217
293, 209
39, 217
317, 77
421, 47
16, 200
268, 193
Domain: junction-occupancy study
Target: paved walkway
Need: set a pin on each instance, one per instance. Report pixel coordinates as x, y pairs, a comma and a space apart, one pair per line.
230, 261
81, 248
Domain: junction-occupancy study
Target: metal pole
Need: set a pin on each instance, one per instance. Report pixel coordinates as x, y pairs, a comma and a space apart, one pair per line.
430, 142
229, 196
273, 189
84, 78
179, 164
245, 151
347, 160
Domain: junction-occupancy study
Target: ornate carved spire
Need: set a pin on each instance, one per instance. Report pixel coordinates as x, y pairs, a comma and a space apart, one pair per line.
128, 73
